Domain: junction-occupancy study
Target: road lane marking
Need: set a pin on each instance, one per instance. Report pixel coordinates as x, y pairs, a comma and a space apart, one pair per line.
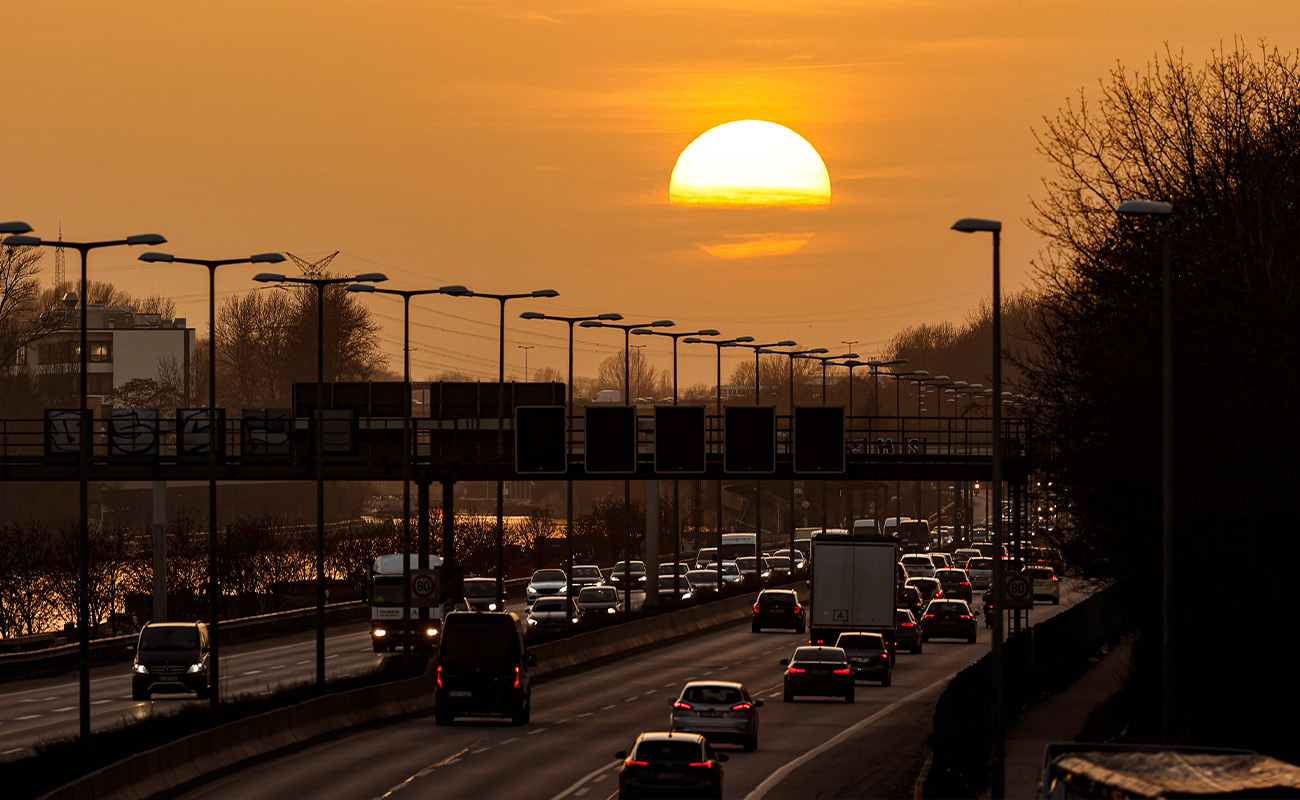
646, 694
29, 716
590, 776
65, 708
252, 672
582, 791
608, 707
451, 759
561, 721
480, 750
536, 730
587, 714
628, 699
511, 739
99, 702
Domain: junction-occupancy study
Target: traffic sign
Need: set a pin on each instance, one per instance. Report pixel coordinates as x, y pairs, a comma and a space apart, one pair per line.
1018, 592
424, 588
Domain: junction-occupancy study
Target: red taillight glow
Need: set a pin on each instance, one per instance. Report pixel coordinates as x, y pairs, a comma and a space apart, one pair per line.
756, 608
632, 763
963, 583
795, 669
928, 616
965, 616
439, 674
705, 764
741, 707
680, 704
907, 625
516, 686
798, 609
844, 671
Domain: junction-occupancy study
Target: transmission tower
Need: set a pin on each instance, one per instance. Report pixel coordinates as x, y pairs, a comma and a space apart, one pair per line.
312, 269
58, 261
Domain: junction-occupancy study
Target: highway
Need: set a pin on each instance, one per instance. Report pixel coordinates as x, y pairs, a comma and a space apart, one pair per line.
806, 749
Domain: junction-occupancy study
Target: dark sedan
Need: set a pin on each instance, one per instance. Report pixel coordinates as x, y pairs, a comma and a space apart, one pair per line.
907, 631
821, 671
482, 594
670, 765
948, 619
955, 584
778, 608
909, 597
868, 656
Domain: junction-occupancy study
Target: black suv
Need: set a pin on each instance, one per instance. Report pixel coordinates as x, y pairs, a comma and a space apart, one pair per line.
171, 657
778, 608
482, 668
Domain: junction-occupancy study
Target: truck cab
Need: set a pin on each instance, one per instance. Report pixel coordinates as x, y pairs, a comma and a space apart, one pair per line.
386, 601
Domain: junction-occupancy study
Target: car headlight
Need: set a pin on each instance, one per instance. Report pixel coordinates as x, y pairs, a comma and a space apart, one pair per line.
563, 589
140, 669
531, 590
686, 595
575, 619
609, 611
196, 668
492, 606
532, 621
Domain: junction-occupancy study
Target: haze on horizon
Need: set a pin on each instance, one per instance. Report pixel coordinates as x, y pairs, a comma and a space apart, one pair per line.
510, 146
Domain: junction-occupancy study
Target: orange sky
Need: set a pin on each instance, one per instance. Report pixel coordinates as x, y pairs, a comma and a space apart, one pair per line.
511, 146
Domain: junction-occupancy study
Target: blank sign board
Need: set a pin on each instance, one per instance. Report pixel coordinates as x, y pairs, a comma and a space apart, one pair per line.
679, 439
539, 440
749, 439
819, 439
610, 439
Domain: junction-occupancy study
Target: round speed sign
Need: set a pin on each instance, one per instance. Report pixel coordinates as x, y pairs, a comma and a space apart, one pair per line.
1017, 589
422, 586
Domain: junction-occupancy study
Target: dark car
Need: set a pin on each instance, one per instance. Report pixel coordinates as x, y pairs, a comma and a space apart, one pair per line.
586, 575
666, 764
778, 608
948, 619
481, 594
955, 584
171, 657
818, 670
868, 656
909, 597
780, 568
600, 600
930, 588
907, 631
622, 570
482, 668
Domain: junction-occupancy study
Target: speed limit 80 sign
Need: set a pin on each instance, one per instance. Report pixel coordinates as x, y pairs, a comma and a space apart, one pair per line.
1019, 592
424, 588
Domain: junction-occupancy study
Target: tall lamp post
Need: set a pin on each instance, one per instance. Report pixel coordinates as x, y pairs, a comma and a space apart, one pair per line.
216, 436
525, 348
568, 440
406, 296
791, 355
502, 299
849, 513
994, 227
677, 497
320, 285
825, 360
718, 344
85, 443
1164, 212
627, 483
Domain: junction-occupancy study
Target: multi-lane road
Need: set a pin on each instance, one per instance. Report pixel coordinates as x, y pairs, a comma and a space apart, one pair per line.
872, 748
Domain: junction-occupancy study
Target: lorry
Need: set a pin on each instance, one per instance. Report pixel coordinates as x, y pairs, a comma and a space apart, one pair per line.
427, 594
854, 586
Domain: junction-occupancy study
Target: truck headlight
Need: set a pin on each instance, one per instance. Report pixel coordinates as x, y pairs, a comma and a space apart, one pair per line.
379, 633
196, 668
431, 632
140, 669
492, 606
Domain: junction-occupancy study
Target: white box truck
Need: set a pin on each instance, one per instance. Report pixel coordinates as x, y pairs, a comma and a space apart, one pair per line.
854, 585
386, 590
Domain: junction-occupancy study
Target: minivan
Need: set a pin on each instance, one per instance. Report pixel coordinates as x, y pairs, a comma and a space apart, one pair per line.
171, 657
482, 668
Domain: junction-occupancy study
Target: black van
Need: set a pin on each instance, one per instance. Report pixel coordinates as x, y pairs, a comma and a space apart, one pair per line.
482, 668
171, 657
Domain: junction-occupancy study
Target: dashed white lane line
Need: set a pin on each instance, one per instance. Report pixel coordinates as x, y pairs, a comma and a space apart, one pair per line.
29, 716
480, 750
535, 731
608, 707
11, 752
587, 714
99, 702
628, 699
452, 759
307, 661
669, 685
582, 791
561, 721
252, 672
577, 787
511, 739
646, 694
65, 708
602, 776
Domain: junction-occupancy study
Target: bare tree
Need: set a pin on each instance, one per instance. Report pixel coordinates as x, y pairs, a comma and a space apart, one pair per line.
641, 375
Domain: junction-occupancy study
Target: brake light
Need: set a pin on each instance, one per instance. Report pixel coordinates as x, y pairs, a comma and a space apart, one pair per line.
680, 704
928, 616
963, 583
965, 616
632, 763
907, 625
516, 686
705, 764
741, 707
844, 671
798, 609
756, 608
1053, 579
795, 669
439, 674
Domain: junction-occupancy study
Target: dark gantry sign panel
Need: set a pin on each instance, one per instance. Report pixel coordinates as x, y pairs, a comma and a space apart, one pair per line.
610, 439
819, 439
749, 439
679, 439
539, 440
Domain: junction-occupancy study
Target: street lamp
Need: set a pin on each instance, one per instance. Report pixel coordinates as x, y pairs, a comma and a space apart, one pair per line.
677, 498
1164, 212
627, 483
718, 345
790, 357
825, 360
85, 438
320, 284
994, 227
461, 291
216, 435
568, 439
525, 348
406, 295
850, 514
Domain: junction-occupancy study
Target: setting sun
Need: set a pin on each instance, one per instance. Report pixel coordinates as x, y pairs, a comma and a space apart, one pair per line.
749, 163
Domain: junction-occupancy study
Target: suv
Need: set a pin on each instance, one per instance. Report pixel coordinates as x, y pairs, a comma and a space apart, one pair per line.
482, 668
481, 594
868, 656
778, 608
171, 657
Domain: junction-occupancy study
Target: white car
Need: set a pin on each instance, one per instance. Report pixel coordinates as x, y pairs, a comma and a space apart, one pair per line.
918, 565
941, 560
547, 583
963, 554
554, 612
980, 571
1046, 584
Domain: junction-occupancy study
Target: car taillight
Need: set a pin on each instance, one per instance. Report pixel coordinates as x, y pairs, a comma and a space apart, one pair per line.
756, 608
680, 704
963, 583
907, 625
884, 656
705, 764
965, 616
795, 669
439, 674
1053, 579
741, 707
844, 671
928, 616
798, 609
633, 763
516, 686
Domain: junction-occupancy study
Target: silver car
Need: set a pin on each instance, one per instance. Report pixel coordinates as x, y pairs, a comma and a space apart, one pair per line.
720, 711
554, 612
599, 600
546, 583
980, 570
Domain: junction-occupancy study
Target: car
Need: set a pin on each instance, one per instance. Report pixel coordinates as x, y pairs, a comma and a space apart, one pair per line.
720, 711
702, 580
707, 555
171, 658
554, 612
955, 583
918, 565
778, 608
586, 575
948, 619
674, 587
868, 656
940, 560
930, 588
988, 549
779, 568
599, 600
796, 557
1046, 586
907, 632
482, 595
909, 597
730, 572
817, 670
634, 569
674, 568
482, 668
750, 569
963, 554
1052, 558
667, 764
980, 571
546, 583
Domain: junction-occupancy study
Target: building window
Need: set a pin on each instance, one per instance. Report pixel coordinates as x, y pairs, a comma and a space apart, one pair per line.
100, 352
99, 383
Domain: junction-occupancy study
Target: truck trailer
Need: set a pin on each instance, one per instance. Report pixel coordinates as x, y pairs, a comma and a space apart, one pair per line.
854, 583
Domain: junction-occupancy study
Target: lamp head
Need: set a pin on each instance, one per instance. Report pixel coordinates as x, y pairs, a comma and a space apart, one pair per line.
1143, 208
920, 372
819, 350
641, 332
941, 377
743, 339
709, 332
268, 277
545, 293
693, 340
266, 258
359, 287
848, 355
976, 386
455, 290
532, 315
962, 384
974, 224
611, 316
154, 255
591, 323
373, 277
15, 227
145, 238
22, 241
662, 323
